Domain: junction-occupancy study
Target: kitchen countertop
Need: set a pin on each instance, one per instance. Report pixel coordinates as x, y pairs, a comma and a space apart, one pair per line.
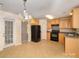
72, 36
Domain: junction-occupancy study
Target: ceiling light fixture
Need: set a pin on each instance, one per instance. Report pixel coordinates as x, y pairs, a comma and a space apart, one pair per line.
70, 13
49, 17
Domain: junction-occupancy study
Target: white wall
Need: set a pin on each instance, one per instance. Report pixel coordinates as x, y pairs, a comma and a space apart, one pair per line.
17, 32
29, 30
43, 24
1, 34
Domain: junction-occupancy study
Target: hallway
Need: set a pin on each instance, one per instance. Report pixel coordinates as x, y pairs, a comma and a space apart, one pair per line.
41, 49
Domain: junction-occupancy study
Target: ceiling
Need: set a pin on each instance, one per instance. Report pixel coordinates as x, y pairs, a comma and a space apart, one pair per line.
40, 8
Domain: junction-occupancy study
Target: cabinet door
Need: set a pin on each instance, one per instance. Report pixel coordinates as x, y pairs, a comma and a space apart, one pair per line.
70, 25
62, 23
71, 45
76, 18
62, 38
66, 23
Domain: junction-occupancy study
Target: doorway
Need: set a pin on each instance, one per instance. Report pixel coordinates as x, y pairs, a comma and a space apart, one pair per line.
24, 32
35, 33
8, 33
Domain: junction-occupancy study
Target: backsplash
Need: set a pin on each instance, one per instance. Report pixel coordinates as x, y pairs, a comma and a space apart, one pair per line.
67, 30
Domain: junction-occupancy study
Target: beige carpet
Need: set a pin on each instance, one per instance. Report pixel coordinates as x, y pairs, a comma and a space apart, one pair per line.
42, 49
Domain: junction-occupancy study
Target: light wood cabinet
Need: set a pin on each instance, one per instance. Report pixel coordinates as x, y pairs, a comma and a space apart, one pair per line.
48, 35
34, 21
66, 22
72, 45
63, 24
76, 18
62, 38
71, 21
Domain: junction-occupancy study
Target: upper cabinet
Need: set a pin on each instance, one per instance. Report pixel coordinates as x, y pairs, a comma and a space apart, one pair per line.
66, 22
34, 21
52, 22
76, 18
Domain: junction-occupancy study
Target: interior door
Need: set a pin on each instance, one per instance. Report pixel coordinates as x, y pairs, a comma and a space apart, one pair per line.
8, 32
24, 32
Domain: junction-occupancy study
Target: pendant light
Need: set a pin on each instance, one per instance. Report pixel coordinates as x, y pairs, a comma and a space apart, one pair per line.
25, 14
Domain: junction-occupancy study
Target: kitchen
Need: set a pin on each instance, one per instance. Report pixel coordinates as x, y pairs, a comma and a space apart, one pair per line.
66, 30
46, 29
69, 31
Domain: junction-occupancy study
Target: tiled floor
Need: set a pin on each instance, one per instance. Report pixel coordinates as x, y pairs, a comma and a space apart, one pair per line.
41, 49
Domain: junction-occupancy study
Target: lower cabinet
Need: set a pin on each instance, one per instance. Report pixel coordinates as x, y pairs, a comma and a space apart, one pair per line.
61, 38
72, 45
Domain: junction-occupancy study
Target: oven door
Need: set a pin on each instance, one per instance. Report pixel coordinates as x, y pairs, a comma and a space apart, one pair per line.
54, 35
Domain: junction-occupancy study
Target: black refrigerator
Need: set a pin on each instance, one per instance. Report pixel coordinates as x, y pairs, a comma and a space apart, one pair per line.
35, 33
